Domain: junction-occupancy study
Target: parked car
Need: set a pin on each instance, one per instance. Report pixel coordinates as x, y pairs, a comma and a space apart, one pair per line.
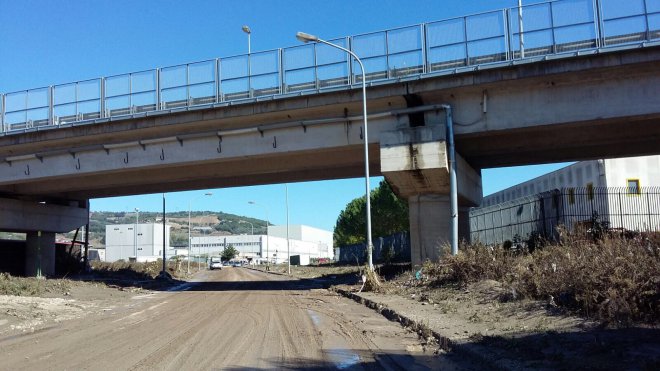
215, 263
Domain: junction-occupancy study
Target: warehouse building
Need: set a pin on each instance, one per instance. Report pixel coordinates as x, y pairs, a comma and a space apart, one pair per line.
303, 240
140, 242
621, 193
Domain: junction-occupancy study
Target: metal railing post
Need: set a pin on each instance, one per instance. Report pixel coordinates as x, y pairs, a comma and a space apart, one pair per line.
3, 129
465, 38
647, 36
249, 75
425, 61
317, 83
102, 112
349, 59
598, 23
520, 30
157, 83
50, 105
508, 35
280, 68
217, 80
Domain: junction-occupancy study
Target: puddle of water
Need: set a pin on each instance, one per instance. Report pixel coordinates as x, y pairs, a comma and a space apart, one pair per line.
343, 358
315, 317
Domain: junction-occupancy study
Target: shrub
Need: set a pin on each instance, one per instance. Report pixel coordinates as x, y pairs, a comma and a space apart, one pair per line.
612, 278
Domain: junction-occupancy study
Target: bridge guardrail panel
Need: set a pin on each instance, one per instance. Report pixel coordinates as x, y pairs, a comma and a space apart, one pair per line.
372, 50
486, 38
298, 67
264, 73
446, 44
234, 80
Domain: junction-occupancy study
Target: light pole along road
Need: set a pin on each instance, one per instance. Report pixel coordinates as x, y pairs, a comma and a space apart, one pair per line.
189, 235
305, 37
267, 224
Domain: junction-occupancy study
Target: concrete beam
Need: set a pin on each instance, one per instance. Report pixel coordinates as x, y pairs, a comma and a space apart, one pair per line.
414, 161
28, 216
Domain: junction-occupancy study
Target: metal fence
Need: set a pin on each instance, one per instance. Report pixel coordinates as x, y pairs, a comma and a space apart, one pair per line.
454, 45
622, 209
394, 248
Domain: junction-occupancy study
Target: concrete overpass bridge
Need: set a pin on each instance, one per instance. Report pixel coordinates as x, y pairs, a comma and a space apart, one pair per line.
581, 86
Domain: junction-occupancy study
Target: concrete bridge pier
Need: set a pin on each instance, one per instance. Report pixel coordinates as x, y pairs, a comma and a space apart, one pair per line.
41, 221
40, 254
415, 163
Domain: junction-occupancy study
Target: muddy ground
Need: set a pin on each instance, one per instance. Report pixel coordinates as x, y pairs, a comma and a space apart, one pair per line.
230, 319
511, 334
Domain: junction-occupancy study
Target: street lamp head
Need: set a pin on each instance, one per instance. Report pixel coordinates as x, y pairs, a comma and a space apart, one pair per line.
246, 29
137, 209
305, 37
208, 194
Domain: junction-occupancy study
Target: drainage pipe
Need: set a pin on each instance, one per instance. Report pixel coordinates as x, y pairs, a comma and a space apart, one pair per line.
453, 188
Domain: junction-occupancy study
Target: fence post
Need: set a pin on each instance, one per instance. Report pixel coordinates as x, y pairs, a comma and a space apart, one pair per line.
621, 209
542, 199
648, 210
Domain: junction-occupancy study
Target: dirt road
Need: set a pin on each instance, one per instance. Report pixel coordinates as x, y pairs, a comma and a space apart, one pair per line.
235, 318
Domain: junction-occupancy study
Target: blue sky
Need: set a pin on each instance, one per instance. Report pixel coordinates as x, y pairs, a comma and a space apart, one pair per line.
50, 42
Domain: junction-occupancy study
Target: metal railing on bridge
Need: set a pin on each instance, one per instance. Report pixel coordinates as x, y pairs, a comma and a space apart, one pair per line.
562, 28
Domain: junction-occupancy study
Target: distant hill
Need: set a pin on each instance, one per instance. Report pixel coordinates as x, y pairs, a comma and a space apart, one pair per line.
219, 222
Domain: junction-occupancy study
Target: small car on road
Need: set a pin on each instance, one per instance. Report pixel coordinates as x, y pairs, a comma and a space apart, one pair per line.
215, 263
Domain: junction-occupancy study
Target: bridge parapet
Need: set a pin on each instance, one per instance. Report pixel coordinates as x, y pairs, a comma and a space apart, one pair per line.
555, 29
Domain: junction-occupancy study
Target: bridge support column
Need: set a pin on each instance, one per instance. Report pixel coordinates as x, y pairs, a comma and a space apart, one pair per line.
414, 161
40, 222
40, 254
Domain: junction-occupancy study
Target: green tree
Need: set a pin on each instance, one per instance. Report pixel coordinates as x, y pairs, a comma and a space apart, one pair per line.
229, 253
389, 214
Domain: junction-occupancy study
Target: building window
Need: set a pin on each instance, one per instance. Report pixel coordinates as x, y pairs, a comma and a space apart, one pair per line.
571, 196
590, 191
633, 187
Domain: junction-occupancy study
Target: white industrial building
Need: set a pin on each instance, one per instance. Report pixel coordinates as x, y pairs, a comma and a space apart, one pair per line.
631, 173
143, 242
622, 192
303, 240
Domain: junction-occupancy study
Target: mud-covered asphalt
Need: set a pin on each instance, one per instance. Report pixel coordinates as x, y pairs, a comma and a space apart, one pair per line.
232, 319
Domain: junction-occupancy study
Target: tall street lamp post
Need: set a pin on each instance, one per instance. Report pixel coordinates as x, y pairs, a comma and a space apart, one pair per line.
267, 224
288, 243
189, 235
248, 31
304, 37
246, 222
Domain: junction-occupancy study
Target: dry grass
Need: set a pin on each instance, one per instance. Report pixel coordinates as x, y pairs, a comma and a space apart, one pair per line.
31, 286
138, 271
615, 280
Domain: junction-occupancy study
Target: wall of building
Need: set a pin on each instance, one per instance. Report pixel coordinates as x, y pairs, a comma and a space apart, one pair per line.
258, 246
645, 168
120, 241
306, 233
580, 174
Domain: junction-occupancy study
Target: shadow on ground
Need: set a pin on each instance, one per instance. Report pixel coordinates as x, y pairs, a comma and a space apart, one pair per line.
339, 359
632, 348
